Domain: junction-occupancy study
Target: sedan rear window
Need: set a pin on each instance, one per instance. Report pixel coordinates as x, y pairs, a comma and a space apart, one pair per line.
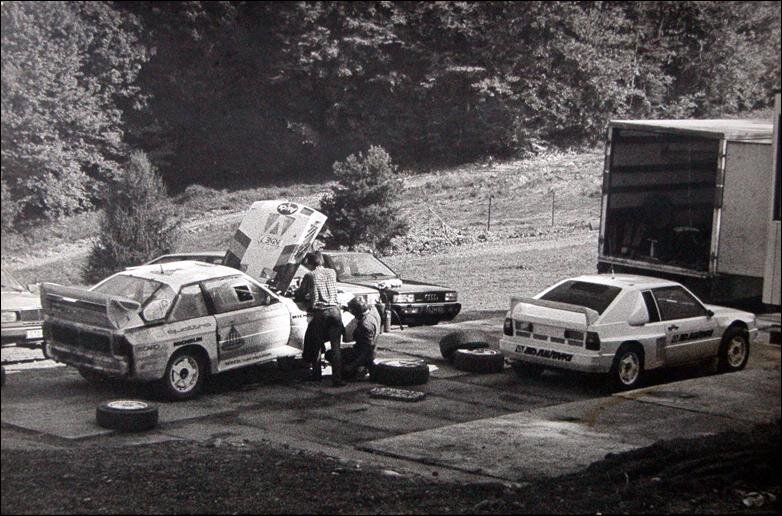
582, 293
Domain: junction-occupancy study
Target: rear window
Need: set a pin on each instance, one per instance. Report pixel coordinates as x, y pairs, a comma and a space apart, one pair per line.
581, 293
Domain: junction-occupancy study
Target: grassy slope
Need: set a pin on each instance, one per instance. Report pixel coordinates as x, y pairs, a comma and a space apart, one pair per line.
521, 254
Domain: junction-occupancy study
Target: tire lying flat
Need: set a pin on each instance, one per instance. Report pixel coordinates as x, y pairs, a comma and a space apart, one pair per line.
401, 372
127, 415
463, 339
480, 360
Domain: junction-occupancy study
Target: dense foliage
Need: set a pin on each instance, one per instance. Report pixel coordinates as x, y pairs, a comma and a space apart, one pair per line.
363, 207
246, 93
68, 71
138, 223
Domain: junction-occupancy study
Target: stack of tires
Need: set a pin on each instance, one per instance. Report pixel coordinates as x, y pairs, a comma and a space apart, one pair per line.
468, 350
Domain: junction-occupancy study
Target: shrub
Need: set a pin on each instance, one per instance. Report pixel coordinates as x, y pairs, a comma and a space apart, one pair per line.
363, 207
138, 221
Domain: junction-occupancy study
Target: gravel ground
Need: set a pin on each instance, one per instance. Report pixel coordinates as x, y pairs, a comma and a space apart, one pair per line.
725, 473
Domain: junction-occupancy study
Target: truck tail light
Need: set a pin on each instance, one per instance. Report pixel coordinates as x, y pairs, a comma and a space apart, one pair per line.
593, 341
507, 327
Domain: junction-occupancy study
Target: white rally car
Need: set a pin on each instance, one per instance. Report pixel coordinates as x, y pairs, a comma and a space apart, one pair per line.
176, 322
622, 325
173, 323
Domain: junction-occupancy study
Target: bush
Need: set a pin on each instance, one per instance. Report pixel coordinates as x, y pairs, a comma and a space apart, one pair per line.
363, 207
138, 223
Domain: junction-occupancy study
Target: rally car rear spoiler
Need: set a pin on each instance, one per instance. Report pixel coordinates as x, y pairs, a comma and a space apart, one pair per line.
590, 315
86, 306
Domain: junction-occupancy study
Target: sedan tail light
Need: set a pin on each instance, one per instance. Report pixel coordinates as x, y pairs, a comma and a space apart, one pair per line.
507, 327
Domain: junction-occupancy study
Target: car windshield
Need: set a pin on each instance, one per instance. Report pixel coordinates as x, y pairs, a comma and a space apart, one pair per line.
140, 290
582, 293
10, 283
358, 266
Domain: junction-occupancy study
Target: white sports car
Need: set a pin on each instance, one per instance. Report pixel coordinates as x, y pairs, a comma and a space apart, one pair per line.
622, 325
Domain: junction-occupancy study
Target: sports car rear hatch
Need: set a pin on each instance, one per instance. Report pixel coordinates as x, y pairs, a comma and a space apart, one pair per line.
550, 318
87, 307
272, 240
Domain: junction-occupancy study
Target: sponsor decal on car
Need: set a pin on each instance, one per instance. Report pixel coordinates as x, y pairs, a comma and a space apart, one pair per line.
192, 340
287, 208
683, 337
234, 340
544, 353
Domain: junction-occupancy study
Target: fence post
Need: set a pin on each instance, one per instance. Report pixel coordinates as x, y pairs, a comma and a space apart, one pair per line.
552, 207
488, 222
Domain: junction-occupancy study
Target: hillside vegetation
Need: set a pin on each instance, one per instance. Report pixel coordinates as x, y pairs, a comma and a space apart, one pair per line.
448, 210
242, 94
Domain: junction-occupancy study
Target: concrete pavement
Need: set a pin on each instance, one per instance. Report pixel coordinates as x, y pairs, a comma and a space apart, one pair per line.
469, 427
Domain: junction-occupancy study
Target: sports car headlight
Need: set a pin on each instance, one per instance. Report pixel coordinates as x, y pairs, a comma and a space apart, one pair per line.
9, 316
450, 296
404, 298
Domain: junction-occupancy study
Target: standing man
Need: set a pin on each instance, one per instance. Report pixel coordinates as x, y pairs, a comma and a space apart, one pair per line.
327, 316
360, 359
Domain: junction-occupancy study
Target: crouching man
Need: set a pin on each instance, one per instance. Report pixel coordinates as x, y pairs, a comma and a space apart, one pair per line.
358, 361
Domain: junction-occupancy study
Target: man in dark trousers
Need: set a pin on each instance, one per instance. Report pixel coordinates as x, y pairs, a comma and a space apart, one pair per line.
359, 360
327, 315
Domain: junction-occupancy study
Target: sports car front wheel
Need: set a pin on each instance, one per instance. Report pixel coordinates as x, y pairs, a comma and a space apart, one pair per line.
184, 376
734, 350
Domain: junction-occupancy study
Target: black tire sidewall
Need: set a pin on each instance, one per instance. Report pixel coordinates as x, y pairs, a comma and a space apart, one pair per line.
491, 362
462, 339
127, 419
388, 373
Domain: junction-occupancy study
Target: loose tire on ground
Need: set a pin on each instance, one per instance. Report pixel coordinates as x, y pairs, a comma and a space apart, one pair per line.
401, 372
184, 376
463, 339
734, 350
127, 415
627, 370
481, 360
527, 370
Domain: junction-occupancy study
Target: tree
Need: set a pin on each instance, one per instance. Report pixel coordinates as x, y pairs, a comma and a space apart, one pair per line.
363, 207
68, 72
138, 221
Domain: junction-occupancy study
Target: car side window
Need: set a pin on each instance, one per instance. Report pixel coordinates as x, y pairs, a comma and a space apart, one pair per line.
677, 303
189, 305
236, 293
651, 307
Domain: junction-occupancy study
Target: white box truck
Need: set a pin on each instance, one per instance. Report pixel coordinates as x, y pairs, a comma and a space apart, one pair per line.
689, 200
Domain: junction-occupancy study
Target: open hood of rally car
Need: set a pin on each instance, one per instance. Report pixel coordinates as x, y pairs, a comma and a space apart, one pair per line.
272, 240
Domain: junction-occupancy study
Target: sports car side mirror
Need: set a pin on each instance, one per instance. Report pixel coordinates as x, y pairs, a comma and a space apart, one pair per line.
709, 314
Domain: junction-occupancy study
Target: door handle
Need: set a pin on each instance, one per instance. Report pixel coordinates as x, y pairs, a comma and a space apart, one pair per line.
673, 327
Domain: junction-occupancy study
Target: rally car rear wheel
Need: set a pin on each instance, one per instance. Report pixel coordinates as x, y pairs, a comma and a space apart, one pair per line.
184, 376
734, 350
628, 368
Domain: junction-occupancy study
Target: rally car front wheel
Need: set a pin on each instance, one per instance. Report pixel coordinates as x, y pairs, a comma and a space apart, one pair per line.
628, 368
184, 376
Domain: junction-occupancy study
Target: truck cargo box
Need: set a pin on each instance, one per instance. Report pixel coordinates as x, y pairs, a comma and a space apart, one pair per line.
688, 200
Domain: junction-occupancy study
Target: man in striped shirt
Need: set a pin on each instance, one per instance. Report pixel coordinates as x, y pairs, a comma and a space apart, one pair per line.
327, 315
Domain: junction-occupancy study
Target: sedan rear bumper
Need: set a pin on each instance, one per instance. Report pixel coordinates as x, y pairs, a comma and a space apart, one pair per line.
560, 357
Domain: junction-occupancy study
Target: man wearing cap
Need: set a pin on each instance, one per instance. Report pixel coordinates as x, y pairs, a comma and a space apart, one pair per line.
359, 360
